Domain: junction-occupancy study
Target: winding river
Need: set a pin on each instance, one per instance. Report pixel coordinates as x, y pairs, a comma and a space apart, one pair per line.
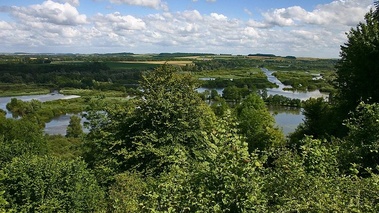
286, 118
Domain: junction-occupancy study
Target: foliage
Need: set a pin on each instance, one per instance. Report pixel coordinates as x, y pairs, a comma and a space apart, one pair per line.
361, 146
152, 133
74, 128
48, 184
125, 193
280, 100
235, 94
321, 121
63, 147
257, 124
357, 69
3, 202
224, 178
310, 181
18, 137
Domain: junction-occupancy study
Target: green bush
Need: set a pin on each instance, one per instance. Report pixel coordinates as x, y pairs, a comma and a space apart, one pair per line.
49, 184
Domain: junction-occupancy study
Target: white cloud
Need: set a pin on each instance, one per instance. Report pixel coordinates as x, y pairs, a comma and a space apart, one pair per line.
155, 4
74, 3
50, 12
117, 22
338, 12
219, 17
211, 0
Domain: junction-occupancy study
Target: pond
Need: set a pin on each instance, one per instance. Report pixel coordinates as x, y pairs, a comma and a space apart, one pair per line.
287, 118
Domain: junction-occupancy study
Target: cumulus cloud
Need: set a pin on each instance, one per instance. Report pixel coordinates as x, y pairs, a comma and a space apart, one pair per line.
155, 4
50, 12
338, 12
116, 22
219, 17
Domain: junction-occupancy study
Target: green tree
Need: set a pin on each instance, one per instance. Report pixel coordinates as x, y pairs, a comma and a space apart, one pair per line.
160, 129
361, 146
48, 184
18, 137
358, 69
257, 124
321, 121
168, 120
224, 178
74, 128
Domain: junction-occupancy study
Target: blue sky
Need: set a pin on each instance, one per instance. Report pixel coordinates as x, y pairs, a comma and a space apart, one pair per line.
283, 27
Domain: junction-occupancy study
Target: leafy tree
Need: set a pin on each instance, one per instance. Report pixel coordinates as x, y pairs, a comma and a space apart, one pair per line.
224, 178
161, 129
74, 128
361, 146
321, 121
18, 137
257, 124
167, 120
358, 69
48, 184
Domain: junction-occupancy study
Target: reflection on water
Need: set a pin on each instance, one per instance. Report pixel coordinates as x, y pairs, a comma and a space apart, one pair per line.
287, 118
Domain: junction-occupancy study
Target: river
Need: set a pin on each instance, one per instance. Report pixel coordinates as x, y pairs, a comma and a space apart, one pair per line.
286, 118
289, 93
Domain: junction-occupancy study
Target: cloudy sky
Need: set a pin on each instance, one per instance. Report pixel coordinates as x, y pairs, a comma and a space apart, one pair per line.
314, 28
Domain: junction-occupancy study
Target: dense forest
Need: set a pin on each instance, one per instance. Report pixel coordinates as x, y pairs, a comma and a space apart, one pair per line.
167, 150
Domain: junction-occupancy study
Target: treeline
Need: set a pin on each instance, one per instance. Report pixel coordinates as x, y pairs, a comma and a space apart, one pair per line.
76, 75
251, 83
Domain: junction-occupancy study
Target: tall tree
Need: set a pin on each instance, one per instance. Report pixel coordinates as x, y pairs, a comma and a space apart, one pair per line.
358, 69
162, 128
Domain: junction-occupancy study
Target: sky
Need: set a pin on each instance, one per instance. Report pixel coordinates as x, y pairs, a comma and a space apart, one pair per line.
302, 28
